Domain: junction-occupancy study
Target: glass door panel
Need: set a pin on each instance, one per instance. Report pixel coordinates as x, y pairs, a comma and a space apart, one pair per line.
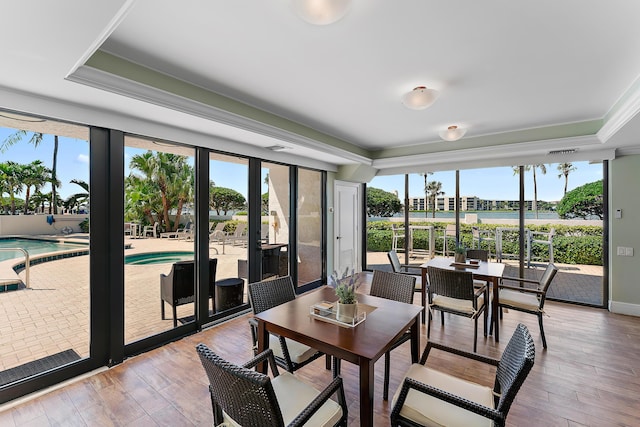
309, 226
276, 219
44, 245
228, 230
159, 271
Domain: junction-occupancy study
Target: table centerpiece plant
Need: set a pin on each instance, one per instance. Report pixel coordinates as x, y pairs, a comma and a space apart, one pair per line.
460, 254
345, 288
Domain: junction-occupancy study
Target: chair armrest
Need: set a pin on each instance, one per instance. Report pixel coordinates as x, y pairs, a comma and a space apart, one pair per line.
410, 383
253, 324
458, 352
266, 355
519, 289
480, 290
521, 280
335, 386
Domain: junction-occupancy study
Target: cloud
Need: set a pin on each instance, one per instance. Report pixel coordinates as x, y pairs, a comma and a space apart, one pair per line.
83, 158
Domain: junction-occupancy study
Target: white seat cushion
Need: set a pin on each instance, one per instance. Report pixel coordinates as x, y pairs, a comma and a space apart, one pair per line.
462, 305
298, 352
427, 410
293, 396
523, 300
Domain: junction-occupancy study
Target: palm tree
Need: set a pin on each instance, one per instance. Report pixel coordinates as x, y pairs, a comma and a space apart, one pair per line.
543, 169
36, 174
426, 191
167, 174
36, 139
565, 169
11, 174
77, 199
434, 189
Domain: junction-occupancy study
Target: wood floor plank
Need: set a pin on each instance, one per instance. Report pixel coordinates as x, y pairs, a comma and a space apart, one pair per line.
587, 377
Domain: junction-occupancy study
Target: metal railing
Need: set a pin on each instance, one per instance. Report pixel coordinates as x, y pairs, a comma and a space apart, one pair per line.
26, 262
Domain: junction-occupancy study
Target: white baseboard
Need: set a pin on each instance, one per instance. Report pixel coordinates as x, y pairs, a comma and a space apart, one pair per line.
624, 308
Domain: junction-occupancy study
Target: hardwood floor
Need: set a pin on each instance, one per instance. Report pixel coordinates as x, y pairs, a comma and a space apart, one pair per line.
590, 375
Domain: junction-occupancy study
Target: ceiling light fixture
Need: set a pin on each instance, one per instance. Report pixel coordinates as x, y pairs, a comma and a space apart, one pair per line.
277, 148
453, 133
565, 151
321, 12
420, 98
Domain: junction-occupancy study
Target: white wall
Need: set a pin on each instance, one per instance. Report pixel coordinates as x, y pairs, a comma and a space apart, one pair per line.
32, 225
624, 276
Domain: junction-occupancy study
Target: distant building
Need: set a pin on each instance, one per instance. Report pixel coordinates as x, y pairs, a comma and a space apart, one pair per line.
468, 203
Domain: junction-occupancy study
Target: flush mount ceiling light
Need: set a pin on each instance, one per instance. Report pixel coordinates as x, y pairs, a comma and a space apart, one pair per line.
420, 98
453, 133
321, 12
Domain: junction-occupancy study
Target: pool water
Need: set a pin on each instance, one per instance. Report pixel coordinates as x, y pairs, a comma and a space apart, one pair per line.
157, 257
34, 247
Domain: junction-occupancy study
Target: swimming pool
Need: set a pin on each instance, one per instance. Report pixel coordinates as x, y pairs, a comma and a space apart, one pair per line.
34, 247
158, 257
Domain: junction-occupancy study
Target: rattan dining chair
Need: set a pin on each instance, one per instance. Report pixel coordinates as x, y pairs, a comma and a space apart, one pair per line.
412, 270
453, 291
241, 396
528, 300
289, 354
397, 287
429, 397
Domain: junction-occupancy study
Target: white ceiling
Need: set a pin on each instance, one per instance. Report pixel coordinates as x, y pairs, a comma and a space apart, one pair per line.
541, 75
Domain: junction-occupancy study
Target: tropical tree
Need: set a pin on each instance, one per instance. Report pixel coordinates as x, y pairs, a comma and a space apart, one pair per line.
78, 199
35, 175
434, 189
166, 173
584, 202
36, 139
11, 176
527, 168
425, 175
565, 169
382, 203
223, 199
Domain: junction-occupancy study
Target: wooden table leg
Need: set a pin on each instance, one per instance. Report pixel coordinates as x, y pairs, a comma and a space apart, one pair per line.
423, 294
495, 309
367, 380
415, 341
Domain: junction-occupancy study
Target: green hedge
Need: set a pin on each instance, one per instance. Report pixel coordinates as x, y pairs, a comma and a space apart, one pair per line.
578, 244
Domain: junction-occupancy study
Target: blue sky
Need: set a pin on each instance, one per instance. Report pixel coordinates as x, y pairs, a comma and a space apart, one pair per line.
73, 158
493, 183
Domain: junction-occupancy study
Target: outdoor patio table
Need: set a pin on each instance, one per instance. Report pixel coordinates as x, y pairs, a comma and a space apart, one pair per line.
490, 272
361, 345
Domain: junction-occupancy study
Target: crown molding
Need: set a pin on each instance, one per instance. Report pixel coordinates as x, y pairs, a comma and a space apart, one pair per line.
627, 110
501, 155
103, 80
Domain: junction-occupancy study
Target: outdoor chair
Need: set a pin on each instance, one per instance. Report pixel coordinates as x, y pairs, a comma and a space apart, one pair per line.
527, 299
185, 232
397, 287
540, 238
239, 235
151, 229
398, 233
448, 233
178, 287
478, 236
429, 397
218, 235
241, 396
289, 354
453, 291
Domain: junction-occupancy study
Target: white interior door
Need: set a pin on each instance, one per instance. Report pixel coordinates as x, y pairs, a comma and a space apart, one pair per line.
347, 226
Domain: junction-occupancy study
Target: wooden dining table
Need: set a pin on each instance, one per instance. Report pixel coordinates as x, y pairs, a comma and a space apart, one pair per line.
490, 272
361, 345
